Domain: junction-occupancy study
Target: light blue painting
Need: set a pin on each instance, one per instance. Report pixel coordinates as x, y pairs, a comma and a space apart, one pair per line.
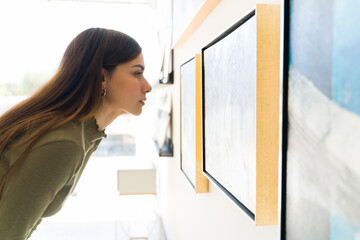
323, 152
346, 54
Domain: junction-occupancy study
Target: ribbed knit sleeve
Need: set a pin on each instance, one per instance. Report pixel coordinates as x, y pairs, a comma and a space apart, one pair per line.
34, 185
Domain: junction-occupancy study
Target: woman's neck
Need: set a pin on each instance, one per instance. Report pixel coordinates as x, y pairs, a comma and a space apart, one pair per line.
105, 117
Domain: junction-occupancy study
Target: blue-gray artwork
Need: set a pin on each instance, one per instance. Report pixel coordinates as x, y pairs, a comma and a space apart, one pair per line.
188, 78
323, 151
229, 88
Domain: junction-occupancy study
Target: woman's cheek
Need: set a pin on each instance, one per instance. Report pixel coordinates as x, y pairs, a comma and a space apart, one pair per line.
133, 88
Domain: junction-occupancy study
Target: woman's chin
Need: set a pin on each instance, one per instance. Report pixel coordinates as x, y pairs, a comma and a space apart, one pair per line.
135, 113
138, 113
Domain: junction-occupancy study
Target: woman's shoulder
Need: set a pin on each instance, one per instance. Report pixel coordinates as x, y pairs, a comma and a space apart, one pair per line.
82, 133
71, 132
67, 138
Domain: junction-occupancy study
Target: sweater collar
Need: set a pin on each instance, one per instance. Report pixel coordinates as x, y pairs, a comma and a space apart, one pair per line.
92, 130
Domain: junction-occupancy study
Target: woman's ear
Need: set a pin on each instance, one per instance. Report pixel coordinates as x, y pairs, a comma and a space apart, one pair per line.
104, 74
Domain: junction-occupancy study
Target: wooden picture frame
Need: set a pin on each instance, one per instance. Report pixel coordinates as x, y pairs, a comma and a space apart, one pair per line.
241, 112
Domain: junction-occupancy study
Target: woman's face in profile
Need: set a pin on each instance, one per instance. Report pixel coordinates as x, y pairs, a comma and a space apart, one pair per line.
126, 87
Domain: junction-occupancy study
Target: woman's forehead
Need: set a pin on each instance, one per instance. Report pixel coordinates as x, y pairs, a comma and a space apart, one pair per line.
136, 62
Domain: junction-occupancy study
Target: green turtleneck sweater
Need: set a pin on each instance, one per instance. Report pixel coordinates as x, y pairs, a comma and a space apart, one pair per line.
46, 177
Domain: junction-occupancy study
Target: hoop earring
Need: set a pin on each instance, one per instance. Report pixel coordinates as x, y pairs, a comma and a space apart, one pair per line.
104, 92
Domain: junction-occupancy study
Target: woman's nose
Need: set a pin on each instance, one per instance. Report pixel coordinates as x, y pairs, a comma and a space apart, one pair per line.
148, 87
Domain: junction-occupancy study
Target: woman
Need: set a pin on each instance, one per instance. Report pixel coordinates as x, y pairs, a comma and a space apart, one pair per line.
46, 140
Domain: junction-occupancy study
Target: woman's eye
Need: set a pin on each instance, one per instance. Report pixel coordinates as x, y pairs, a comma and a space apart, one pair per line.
138, 73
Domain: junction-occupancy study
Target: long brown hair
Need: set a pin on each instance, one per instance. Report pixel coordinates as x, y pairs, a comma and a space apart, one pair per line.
73, 93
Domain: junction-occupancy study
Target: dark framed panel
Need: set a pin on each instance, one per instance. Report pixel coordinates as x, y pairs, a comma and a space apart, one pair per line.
163, 133
166, 75
321, 173
229, 119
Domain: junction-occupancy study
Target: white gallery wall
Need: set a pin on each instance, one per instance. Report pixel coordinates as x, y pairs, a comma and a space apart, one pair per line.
213, 215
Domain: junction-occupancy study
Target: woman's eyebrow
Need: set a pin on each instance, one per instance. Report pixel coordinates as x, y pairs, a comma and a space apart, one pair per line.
139, 66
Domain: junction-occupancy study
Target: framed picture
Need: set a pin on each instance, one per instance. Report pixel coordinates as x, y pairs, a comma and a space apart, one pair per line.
321, 172
166, 75
241, 112
191, 124
162, 135
188, 148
